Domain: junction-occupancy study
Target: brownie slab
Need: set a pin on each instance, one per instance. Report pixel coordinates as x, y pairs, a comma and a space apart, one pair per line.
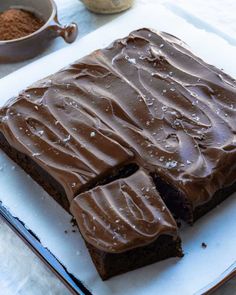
144, 101
126, 225
144, 97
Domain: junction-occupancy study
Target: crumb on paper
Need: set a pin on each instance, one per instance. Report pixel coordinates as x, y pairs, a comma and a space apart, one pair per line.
204, 245
73, 221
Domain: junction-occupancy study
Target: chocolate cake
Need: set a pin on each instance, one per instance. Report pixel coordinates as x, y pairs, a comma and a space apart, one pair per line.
126, 225
145, 102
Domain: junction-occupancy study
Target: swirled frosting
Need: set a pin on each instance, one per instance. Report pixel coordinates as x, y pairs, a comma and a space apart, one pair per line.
67, 140
175, 111
123, 214
145, 95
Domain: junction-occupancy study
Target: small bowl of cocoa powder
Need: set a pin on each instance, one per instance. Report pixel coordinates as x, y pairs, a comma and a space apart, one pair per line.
27, 27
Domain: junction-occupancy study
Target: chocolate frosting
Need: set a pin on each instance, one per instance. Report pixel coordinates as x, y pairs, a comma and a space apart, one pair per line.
123, 214
145, 95
175, 111
68, 141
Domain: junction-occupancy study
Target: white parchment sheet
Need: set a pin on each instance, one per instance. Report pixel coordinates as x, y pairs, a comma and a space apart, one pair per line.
26, 200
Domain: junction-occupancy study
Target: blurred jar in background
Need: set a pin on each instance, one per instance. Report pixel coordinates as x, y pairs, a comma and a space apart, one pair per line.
108, 6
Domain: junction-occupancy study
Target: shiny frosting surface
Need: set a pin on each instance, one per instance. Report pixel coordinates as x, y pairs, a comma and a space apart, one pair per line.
123, 214
175, 111
145, 95
67, 140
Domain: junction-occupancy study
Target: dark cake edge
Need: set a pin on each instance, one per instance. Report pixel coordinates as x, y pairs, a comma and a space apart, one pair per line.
50, 185
181, 208
112, 264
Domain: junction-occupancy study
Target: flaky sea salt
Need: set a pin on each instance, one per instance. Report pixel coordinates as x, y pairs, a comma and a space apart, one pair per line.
171, 164
67, 138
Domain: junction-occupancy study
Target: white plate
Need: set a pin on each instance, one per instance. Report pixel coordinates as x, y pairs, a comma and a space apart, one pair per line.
26, 200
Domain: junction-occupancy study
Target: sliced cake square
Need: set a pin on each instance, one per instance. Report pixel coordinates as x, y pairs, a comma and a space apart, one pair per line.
126, 225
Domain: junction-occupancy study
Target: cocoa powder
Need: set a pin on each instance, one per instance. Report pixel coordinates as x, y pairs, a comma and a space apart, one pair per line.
17, 23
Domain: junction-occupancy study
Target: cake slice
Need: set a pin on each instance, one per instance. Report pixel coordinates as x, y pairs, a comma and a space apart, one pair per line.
126, 225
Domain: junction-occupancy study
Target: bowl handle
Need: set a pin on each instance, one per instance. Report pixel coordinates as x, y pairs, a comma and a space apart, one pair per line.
68, 32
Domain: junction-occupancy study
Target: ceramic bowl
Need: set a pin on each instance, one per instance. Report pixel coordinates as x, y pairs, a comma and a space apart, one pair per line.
31, 45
